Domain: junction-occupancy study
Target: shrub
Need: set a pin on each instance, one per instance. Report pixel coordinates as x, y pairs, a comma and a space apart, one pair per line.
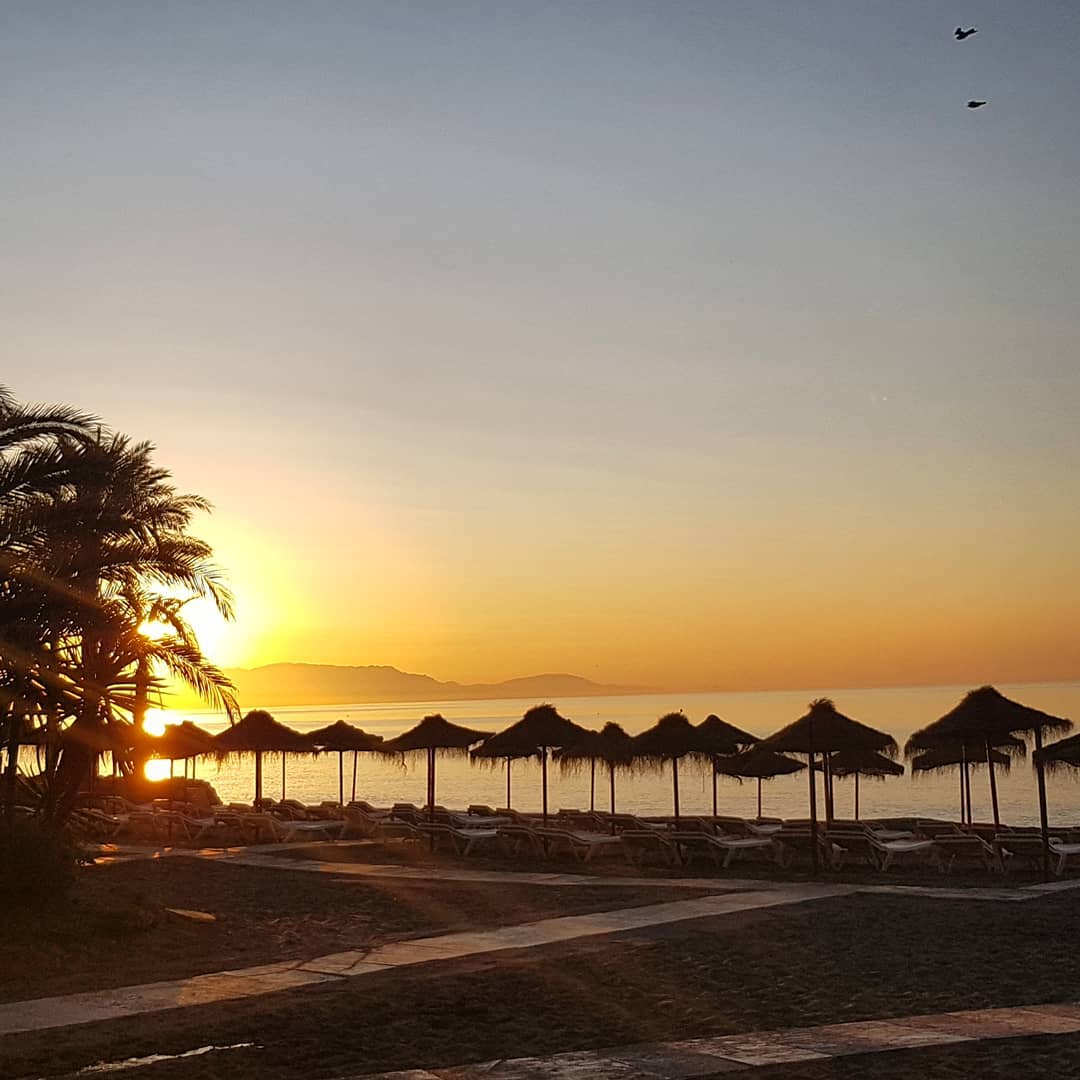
37, 867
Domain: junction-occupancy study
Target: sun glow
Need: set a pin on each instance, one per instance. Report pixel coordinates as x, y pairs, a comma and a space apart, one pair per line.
155, 721
157, 769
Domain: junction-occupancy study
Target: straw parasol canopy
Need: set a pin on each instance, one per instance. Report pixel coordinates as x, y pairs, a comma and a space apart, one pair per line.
720, 737
1056, 755
541, 729
259, 733
179, 742
433, 735
823, 729
757, 764
610, 745
986, 717
342, 737
859, 763
672, 737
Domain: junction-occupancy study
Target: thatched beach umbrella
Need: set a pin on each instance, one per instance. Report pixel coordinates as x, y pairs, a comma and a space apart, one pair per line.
507, 755
259, 733
433, 735
988, 716
343, 737
964, 757
672, 737
1065, 752
611, 745
541, 729
722, 738
824, 730
756, 764
863, 763
180, 742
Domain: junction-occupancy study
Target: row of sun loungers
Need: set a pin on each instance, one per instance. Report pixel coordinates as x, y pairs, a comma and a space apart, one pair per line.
585, 835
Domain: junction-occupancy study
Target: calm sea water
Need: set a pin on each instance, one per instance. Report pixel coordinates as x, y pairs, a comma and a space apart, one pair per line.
898, 711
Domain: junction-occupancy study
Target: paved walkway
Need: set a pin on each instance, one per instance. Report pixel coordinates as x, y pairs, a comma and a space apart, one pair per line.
687, 1058
270, 857
71, 1009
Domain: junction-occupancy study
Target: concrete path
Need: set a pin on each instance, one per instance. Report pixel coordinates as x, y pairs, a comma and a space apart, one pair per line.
55, 1012
270, 857
687, 1058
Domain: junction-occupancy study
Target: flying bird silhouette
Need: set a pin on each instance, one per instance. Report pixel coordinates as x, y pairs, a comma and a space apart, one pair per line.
975, 104
962, 33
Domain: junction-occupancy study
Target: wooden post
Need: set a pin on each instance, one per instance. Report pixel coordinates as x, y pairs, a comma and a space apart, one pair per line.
827, 782
993, 785
283, 774
759, 798
258, 780
714, 788
509, 762
611, 770
592, 784
815, 861
856, 796
355, 755
1044, 825
543, 771
675, 782
341, 777
960, 772
967, 785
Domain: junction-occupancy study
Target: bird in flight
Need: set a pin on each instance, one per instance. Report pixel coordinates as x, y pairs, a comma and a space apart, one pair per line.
975, 104
961, 33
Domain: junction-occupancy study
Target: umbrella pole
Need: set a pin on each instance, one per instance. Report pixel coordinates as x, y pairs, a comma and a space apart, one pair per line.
827, 762
355, 755
258, 780
341, 777
592, 784
1040, 776
814, 862
543, 767
282, 774
960, 773
509, 762
967, 786
856, 796
611, 770
759, 798
675, 784
993, 785
714, 788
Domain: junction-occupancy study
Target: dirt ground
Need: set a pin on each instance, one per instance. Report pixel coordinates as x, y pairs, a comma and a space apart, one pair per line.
849, 958
116, 930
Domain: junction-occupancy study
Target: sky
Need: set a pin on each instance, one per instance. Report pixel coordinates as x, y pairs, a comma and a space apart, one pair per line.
685, 344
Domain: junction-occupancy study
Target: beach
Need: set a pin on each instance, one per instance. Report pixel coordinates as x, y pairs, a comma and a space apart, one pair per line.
854, 957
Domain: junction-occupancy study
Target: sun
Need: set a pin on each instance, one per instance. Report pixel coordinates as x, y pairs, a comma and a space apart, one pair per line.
157, 769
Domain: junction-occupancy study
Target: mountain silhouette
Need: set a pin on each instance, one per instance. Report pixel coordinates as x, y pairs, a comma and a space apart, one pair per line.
331, 684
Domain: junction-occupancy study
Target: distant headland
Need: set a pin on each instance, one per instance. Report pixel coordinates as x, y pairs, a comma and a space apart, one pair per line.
331, 684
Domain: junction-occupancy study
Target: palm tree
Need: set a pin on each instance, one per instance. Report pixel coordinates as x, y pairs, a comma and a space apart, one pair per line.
91, 530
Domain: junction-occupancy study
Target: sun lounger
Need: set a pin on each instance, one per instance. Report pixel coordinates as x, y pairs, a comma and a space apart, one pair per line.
462, 841
583, 845
722, 850
795, 843
970, 850
517, 839
640, 844
1065, 853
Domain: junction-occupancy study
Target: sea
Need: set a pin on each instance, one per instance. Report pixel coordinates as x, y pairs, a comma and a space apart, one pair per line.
900, 711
